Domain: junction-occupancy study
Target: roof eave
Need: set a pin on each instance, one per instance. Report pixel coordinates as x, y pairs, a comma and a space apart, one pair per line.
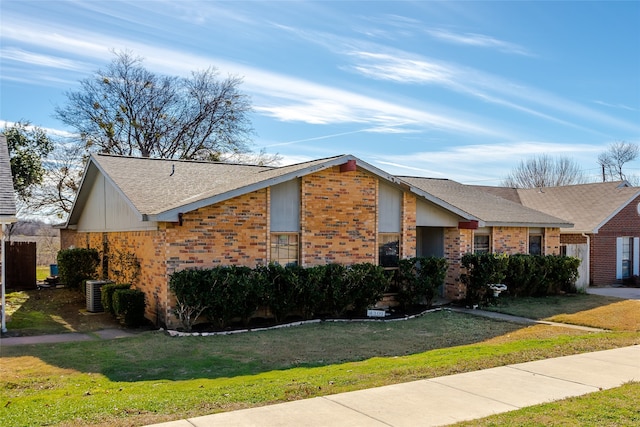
529, 224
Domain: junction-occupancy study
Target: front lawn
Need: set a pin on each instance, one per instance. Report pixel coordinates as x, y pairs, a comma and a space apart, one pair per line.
615, 407
153, 378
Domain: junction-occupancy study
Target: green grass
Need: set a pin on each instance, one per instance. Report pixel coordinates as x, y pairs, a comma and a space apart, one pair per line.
545, 307
615, 407
153, 378
42, 272
122, 382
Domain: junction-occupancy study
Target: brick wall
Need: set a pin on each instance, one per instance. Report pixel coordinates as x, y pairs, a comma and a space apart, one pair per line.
625, 223
409, 232
231, 232
510, 240
338, 217
456, 243
572, 239
551, 241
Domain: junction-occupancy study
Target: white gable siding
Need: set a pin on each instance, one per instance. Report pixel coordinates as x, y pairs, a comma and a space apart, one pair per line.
430, 215
106, 210
389, 208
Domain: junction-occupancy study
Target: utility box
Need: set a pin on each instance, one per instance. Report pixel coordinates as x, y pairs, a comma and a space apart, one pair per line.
94, 295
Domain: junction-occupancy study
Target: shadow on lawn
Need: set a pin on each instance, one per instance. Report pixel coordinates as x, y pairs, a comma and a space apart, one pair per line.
156, 356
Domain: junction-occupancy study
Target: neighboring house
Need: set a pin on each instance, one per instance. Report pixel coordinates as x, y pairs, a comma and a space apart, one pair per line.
7, 211
606, 231
175, 214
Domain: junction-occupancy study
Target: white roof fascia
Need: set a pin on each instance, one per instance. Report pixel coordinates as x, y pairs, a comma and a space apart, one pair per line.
614, 213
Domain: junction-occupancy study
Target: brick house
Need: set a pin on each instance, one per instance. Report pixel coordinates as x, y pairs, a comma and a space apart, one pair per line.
606, 231
7, 212
175, 214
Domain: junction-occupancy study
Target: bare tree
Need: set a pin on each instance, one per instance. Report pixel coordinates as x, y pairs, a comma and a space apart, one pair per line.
616, 156
544, 171
128, 110
63, 173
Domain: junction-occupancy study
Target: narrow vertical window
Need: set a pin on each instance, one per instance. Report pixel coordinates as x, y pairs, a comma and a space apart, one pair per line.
389, 249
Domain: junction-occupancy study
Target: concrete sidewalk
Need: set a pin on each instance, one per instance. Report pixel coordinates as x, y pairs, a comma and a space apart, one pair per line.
104, 334
445, 400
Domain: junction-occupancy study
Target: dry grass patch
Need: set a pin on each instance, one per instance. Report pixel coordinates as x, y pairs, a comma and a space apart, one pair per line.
619, 316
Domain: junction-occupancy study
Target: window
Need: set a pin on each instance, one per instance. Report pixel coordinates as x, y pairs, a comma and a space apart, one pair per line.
481, 244
284, 248
535, 244
389, 249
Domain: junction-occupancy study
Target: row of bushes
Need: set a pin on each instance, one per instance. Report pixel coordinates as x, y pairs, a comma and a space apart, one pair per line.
227, 292
524, 275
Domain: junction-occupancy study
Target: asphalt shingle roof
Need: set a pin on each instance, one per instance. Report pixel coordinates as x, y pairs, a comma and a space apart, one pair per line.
587, 206
157, 185
157, 188
492, 209
7, 201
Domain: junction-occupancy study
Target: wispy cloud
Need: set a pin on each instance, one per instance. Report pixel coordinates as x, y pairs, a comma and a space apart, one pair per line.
619, 106
462, 163
478, 40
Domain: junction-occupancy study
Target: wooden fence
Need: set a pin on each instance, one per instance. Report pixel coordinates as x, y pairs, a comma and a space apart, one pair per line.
21, 265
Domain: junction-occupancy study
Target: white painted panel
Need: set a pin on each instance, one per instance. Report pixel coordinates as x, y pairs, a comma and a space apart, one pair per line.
636, 256
430, 215
581, 251
92, 217
389, 209
619, 258
285, 206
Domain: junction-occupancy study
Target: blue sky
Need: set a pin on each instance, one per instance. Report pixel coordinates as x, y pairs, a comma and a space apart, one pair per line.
460, 90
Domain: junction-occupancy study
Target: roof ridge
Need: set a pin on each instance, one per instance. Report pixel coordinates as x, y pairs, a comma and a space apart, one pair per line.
207, 162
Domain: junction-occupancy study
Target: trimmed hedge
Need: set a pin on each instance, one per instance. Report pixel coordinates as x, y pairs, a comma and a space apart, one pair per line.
524, 275
129, 305
107, 295
228, 292
77, 265
418, 280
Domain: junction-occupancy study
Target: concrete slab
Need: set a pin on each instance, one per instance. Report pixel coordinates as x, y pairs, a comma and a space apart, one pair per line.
514, 387
45, 339
620, 292
598, 370
108, 334
419, 403
315, 412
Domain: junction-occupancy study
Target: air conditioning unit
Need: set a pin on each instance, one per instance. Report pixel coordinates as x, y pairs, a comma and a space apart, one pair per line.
94, 295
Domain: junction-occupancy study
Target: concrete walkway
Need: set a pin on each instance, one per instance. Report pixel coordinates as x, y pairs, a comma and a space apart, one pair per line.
445, 400
105, 334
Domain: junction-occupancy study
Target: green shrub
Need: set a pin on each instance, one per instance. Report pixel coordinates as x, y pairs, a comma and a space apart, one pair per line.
418, 280
191, 288
538, 275
107, 295
129, 304
365, 285
280, 285
233, 291
481, 271
77, 265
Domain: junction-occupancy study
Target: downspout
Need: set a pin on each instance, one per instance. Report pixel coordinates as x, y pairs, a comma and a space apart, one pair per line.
585, 235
